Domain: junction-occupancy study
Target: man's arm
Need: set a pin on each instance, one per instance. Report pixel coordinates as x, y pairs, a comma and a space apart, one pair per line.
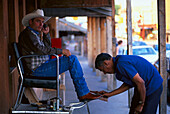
119, 90
140, 84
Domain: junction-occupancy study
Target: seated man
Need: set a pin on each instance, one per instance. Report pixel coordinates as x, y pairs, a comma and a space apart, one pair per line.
31, 42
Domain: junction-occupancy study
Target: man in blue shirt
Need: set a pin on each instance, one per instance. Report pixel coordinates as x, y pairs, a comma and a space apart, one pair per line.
136, 72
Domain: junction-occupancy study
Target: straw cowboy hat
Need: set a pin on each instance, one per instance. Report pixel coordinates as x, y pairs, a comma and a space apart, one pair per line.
37, 13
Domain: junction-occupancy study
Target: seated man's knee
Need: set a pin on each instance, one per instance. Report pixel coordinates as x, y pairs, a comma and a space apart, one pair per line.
73, 57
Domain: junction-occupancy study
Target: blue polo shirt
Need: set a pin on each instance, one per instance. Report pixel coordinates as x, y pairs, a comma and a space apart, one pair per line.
127, 66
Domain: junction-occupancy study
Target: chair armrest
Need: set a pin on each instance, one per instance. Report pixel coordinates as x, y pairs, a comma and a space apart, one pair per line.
19, 63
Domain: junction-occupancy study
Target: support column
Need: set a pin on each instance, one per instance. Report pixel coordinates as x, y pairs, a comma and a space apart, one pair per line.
98, 73
13, 28
162, 54
4, 73
32, 7
22, 13
109, 50
113, 40
53, 24
94, 50
90, 41
103, 42
103, 34
129, 43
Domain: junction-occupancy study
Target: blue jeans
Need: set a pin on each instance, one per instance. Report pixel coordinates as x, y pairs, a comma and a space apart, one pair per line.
71, 63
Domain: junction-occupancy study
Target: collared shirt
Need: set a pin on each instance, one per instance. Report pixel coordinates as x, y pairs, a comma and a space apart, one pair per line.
127, 66
37, 61
30, 43
33, 30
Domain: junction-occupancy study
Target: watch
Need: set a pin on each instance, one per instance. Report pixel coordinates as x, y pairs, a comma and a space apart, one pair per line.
141, 102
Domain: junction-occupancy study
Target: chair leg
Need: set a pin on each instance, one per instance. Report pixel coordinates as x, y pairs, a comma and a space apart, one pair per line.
88, 109
19, 97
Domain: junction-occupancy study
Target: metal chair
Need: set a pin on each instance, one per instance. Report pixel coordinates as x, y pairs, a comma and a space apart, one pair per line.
33, 81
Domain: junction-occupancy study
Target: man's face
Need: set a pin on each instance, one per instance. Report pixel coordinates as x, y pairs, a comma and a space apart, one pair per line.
37, 23
107, 67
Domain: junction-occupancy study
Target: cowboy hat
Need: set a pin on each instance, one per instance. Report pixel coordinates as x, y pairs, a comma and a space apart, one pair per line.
37, 13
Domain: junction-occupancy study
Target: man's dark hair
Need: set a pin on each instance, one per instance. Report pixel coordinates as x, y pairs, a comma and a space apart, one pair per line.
101, 58
32, 19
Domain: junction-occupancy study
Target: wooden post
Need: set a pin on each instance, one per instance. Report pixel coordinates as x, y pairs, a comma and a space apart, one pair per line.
90, 41
113, 40
32, 7
98, 41
103, 34
52, 23
13, 22
22, 13
4, 73
129, 44
103, 42
162, 54
109, 50
94, 50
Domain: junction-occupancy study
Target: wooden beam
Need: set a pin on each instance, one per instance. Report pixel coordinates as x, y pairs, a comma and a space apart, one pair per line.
73, 3
63, 12
162, 53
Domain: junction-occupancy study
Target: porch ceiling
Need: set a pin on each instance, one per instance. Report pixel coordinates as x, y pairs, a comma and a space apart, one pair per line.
91, 12
62, 8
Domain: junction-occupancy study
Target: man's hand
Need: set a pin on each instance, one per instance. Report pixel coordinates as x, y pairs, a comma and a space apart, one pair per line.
66, 52
107, 94
46, 30
98, 92
138, 109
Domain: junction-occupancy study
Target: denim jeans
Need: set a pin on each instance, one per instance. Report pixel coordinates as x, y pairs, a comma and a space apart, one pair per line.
71, 63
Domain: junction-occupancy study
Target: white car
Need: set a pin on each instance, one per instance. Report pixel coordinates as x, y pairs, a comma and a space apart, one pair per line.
155, 46
147, 52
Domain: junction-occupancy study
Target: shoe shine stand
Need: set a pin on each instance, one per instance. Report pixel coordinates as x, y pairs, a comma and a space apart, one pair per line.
29, 81
62, 109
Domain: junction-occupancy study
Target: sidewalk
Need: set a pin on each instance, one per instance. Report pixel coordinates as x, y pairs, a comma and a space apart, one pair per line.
116, 105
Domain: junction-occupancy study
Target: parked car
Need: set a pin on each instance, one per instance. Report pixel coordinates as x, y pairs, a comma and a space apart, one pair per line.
147, 52
155, 46
139, 43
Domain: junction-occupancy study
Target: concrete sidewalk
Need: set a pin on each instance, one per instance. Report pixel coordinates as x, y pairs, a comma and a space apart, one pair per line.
116, 105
